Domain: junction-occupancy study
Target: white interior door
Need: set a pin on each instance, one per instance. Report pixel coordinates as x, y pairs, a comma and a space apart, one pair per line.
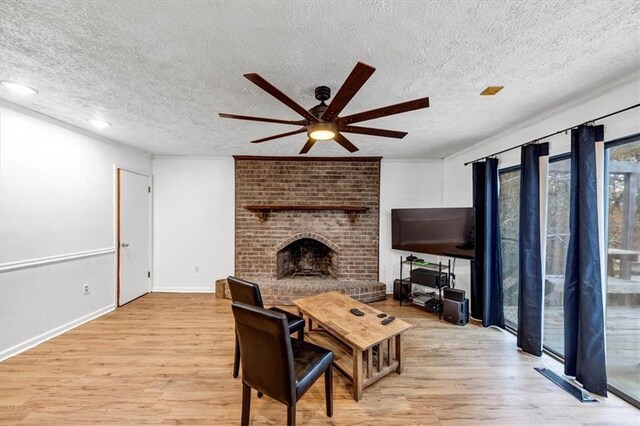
133, 251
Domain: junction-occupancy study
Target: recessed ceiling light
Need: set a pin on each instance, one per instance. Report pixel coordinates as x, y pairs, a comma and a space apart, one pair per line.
491, 90
100, 124
18, 88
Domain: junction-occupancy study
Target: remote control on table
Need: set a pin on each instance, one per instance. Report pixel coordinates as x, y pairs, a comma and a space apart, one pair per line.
356, 312
382, 315
387, 320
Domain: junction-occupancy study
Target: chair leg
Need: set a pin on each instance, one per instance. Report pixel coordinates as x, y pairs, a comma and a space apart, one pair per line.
246, 404
291, 415
301, 334
328, 389
236, 359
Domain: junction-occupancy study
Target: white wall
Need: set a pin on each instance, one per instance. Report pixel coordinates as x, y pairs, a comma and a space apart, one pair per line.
612, 97
193, 222
404, 184
56, 226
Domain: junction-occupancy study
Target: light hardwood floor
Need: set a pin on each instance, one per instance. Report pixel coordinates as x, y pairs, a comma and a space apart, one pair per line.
166, 358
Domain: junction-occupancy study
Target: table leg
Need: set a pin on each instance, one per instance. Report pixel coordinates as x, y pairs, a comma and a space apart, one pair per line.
357, 374
392, 349
399, 354
380, 357
370, 362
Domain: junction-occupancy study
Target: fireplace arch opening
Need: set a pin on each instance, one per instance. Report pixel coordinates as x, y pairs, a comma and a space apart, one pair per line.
307, 257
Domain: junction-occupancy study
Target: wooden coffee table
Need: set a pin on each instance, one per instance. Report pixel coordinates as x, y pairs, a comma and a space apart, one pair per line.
355, 341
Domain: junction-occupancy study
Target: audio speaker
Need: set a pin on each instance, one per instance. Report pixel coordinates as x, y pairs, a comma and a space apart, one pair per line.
456, 312
400, 291
428, 277
454, 294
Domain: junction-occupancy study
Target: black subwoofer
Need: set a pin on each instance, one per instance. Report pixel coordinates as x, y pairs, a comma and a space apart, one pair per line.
456, 312
400, 291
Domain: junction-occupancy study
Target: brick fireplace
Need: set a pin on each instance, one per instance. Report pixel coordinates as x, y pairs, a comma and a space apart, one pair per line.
308, 225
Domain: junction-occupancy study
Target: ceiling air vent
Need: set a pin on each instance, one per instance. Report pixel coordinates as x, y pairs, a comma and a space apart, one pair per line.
491, 90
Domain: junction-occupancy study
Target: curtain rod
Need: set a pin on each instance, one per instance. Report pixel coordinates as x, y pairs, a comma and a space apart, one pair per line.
551, 134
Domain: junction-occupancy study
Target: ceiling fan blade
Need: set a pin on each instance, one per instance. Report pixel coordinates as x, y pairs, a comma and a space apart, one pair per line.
359, 75
281, 135
266, 120
346, 144
374, 132
276, 93
307, 146
384, 111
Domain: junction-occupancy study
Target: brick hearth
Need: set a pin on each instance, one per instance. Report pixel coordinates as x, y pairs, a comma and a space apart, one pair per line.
284, 292
310, 183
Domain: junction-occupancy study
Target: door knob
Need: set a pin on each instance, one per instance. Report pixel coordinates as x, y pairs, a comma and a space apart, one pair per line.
125, 244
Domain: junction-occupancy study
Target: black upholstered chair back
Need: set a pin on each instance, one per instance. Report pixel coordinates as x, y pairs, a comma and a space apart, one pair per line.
245, 292
267, 357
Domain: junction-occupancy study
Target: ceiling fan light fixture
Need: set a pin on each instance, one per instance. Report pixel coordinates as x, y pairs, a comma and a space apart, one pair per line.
322, 122
322, 131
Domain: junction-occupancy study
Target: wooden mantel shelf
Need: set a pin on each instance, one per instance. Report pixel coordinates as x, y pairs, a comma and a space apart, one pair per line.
262, 210
281, 207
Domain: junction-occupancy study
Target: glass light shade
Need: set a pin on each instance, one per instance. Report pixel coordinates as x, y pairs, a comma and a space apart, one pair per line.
322, 131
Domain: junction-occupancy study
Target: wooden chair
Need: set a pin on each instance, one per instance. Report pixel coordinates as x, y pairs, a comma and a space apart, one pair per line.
275, 364
247, 292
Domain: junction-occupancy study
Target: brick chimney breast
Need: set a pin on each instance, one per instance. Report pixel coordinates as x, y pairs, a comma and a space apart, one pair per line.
308, 201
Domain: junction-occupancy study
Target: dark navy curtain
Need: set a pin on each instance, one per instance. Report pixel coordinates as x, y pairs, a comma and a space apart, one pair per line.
486, 270
493, 310
584, 334
531, 248
477, 266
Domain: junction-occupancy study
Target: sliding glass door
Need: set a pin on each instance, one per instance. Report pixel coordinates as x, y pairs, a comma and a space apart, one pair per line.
623, 265
623, 259
509, 204
558, 198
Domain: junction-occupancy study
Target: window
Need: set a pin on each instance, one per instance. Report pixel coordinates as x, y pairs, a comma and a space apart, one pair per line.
509, 205
558, 199
623, 269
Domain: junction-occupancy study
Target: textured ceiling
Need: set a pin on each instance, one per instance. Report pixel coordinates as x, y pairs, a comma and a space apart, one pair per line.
161, 71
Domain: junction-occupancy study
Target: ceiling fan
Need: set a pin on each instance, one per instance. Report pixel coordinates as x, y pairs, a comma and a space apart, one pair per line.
322, 122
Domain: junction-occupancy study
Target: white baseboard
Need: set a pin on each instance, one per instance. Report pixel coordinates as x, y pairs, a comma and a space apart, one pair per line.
207, 289
35, 341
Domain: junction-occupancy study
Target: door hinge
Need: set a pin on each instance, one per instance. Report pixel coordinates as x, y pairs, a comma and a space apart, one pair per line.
148, 274
149, 189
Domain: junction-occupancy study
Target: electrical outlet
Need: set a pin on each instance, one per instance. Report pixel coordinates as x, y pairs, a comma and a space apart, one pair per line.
85, 289
197, 269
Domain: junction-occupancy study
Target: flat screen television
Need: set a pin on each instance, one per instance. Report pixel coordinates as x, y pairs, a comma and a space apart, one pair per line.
437, 231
